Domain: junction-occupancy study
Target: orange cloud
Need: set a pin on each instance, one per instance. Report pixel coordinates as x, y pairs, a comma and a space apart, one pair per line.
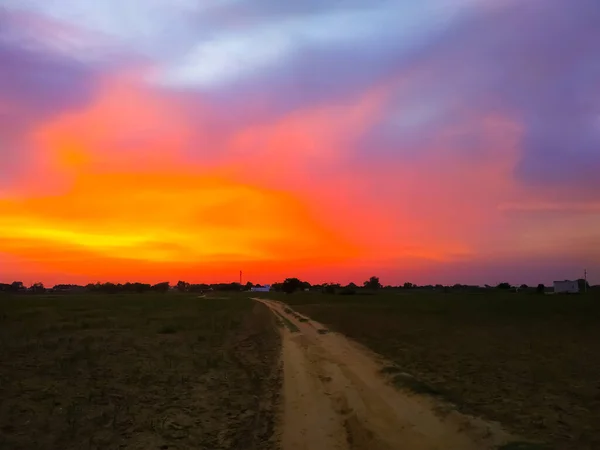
112, 184
114, 192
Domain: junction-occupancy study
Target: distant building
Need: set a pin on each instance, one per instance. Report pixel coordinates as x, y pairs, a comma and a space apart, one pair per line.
566, 287
265, 288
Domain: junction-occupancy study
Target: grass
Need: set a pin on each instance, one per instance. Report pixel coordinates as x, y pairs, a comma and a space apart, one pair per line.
136, 371
529, 361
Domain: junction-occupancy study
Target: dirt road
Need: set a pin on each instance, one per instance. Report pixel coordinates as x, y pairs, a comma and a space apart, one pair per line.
335, 397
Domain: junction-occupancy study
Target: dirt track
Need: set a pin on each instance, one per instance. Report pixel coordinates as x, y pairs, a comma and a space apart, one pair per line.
336, 398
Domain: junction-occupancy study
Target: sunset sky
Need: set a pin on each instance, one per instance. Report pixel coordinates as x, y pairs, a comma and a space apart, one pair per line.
431, 141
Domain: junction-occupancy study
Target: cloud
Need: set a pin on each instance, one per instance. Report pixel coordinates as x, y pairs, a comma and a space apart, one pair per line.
34, 87
443, 136
543, 71
552, 207
126, 191
248, 51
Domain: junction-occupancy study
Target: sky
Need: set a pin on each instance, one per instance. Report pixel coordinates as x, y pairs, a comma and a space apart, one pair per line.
439, 141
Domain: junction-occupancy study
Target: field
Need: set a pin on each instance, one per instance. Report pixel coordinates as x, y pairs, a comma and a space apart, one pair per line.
175, 371
528, 361
138, 372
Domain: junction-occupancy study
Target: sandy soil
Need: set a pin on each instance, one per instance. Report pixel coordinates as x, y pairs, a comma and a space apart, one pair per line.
335, 397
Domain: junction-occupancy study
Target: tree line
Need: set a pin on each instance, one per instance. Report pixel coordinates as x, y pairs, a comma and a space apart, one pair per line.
289, 286
112, 288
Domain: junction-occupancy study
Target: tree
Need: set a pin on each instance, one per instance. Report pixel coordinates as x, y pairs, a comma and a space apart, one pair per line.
408, 285
249, 286
504, 286
161, 287
291, 285
541, 288
372, 283
38, 288
304, 285
17, 286
277, 287
182, 286
523, 287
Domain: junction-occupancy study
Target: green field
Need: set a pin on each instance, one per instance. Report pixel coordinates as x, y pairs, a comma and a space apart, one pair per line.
149, 371
529, 361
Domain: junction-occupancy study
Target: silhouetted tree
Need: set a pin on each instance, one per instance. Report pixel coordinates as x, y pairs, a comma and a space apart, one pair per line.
182, 286
304, 285
17, 286
541, 288
161, 287
408, 285
523, 287
372, 283
277, 287
504, 286
291, 285
226, 287
37, 288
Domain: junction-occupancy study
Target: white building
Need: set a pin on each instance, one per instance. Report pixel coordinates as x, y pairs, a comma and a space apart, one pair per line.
566, 287
265, 288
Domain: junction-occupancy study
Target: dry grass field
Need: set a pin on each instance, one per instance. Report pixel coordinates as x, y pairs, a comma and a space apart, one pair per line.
137, 371
528, 361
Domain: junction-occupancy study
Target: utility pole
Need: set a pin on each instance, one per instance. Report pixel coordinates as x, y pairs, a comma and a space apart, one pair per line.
240, 277
585, 281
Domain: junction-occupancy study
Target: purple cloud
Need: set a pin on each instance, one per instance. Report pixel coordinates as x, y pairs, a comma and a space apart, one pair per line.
33, 87
536, 62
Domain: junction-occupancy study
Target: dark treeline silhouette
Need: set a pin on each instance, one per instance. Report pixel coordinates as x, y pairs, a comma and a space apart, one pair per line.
181, 286
289, 286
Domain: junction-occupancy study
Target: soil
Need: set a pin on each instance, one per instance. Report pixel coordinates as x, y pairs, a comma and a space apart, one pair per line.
162, 372
335, 396
527, 361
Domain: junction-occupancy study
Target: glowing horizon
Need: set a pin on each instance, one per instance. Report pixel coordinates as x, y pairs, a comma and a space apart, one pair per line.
289, 145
